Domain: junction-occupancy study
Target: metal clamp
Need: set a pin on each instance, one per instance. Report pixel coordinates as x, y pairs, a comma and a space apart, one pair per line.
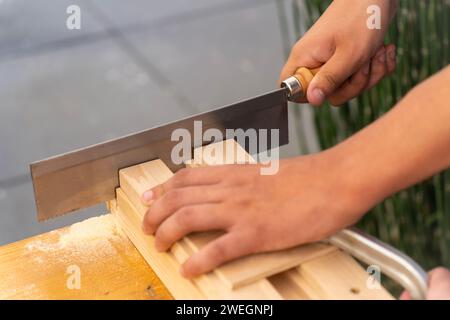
393, 263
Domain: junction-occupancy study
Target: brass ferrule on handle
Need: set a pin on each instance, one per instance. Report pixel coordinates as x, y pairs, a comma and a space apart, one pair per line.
297, 85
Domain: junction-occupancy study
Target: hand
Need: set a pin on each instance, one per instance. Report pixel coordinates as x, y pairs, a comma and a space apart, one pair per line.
257, 212
353, 57
438, 287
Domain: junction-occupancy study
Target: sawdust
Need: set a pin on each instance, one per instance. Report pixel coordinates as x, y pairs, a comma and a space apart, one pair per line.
12, 293
93, 230
84, 241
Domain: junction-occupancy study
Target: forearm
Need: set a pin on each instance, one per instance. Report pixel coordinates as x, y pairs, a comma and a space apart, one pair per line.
405, 146
393, 6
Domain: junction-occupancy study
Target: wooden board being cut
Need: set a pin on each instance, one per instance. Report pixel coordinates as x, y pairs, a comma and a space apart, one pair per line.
163, 263
213, 287
166, 265
310, 266
220, 153
137, 179
259, 266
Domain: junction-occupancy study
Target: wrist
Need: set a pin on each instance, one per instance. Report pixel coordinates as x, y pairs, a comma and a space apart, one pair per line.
351, 19
360, 181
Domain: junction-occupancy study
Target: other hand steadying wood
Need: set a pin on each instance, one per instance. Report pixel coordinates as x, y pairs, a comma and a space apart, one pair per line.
314, 196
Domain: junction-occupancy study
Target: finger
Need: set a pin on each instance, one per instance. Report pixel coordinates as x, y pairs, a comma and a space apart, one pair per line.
288, 70
296, 60
330, 77
194, 176
378, 68
183, 178
391, 56
227, 247
175, 199
438, 284
186, 220
352, 87
439, 276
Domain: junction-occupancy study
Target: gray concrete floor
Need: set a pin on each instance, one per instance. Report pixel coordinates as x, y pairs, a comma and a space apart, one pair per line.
133, 65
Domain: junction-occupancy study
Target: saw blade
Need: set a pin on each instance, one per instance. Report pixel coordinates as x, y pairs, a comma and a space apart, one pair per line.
85, 177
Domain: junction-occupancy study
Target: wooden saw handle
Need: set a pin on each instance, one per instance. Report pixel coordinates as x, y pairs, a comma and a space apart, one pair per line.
297, 84
304, 76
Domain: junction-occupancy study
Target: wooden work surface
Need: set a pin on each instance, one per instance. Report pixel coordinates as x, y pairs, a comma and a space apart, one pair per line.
110, 266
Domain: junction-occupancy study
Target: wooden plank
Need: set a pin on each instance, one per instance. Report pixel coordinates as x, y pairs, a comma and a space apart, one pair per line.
139, 178
213, 287
336, 276
223, 152
167, 265
258, 266
110, 266
287, 288
311, 291
163, 263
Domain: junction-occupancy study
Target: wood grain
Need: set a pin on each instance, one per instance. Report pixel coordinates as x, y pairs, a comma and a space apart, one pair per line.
36, 268
220, 153
134, 181
336, 276
163, 263
167, 264
213, 287
259, 266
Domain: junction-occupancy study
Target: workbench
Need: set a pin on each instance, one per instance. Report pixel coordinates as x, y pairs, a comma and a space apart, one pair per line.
110, 266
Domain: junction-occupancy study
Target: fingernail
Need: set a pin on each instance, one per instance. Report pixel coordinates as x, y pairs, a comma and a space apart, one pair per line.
147, 196
319, 95
366, 69
382, 56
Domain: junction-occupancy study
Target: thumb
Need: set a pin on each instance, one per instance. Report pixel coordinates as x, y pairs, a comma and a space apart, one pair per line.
330, 76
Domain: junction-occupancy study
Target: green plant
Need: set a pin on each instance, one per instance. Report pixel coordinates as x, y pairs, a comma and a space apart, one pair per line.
416, 220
